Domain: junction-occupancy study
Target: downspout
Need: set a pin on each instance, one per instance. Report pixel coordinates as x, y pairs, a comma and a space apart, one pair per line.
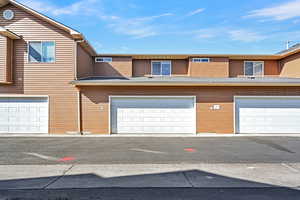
79, 111
79, 119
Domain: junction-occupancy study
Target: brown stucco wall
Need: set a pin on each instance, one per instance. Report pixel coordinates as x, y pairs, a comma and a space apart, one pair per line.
95, 104
143, 67
290, 66
119, 67
236, 68
216, 68
44, 78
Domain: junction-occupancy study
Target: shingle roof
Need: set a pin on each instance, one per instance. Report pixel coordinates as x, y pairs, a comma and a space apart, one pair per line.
292, 48
185, 80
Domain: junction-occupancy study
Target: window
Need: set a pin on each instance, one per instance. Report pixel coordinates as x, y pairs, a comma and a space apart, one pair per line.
200, 60
41, 52
161, 68
254, 68
103, 59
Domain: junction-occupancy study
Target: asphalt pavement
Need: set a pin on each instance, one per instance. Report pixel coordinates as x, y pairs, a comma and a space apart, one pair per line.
142, 168
148, 150
155, 194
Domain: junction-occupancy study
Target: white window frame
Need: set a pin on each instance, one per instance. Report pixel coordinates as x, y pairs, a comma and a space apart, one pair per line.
41, 41
200, 60
161, 61
253, 75
103, 59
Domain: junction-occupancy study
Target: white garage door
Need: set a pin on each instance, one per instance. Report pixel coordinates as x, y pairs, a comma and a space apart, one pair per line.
153, 115
23, 115
267, 114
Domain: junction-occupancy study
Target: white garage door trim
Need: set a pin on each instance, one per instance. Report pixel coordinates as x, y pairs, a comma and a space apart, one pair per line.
32, 96
235, 116
149, 96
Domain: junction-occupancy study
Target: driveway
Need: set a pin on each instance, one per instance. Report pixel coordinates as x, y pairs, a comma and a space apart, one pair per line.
136, 168
148, 150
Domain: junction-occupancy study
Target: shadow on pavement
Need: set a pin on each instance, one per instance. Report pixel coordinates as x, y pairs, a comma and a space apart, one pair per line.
192, 184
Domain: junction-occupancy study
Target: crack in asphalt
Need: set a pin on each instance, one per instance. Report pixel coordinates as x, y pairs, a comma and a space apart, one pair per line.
270, 144
58, 177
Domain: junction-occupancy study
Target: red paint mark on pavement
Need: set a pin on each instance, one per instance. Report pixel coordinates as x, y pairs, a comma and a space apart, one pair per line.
190, 150
66, 159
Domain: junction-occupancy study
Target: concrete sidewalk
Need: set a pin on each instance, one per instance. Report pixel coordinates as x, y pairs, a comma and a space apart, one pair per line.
150, 175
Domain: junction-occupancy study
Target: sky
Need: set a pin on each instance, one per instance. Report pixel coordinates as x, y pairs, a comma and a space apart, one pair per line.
179, 26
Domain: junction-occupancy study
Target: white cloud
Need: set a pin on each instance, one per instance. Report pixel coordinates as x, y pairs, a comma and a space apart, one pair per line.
194, 12
245, 35
140, 27
81, 7
283, 11
206, 33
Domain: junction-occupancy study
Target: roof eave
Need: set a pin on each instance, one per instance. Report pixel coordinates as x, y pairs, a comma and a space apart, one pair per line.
78, 83
9, 34
187, 56
75, 34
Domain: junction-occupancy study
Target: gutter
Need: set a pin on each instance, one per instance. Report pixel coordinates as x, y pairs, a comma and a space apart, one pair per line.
77, 83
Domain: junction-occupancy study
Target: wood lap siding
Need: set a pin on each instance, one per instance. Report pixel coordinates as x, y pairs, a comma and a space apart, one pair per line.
119, 67
216, 68
143, 67
96, 120
85, 63
2, 59
290, 66
236, 68
44, 78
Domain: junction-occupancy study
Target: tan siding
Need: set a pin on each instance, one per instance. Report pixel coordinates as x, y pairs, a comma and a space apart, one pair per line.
85, 63
236, 68
45, 78
119, 67
217, 67
290, 66
2, 59
6, 49
96, 120
9, 60
143, 67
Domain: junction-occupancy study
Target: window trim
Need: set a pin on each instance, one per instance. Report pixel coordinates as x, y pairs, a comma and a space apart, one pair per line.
161, 61
102, 57
193, 60
41, 41
263, 68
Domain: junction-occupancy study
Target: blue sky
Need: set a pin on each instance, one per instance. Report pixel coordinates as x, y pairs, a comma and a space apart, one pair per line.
177, 26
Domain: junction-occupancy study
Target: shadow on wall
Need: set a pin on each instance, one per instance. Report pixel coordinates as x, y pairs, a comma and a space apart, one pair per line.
119, 67
106, 69
19, 54
170, 185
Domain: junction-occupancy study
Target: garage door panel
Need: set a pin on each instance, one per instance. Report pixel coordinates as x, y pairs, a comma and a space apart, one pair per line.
24, 114
268, 115
153, 115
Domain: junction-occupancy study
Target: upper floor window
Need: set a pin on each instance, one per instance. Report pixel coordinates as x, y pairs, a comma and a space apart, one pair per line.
161, 68
200, 60
254, 68
103, 59
41, 51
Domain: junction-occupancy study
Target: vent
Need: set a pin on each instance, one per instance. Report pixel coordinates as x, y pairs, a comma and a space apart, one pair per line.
103, 59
